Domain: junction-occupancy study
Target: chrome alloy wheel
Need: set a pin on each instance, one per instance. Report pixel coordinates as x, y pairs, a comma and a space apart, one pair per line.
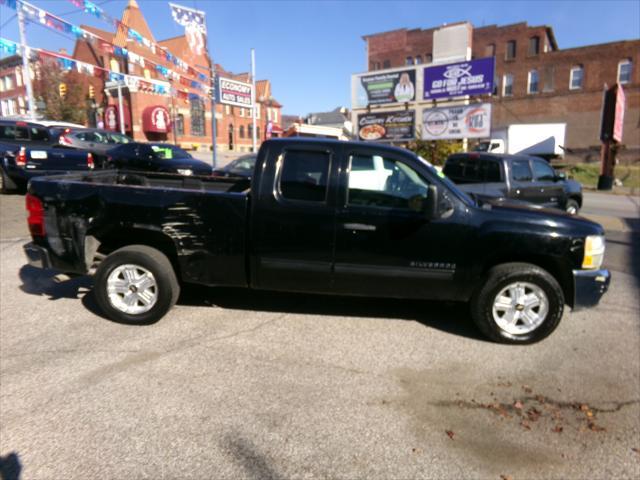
520, 308
572, 210
132, 289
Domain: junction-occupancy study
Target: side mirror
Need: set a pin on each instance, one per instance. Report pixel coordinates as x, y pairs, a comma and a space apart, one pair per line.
432, 202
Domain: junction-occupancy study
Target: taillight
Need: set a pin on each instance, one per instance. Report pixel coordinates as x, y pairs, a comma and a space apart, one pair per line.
36, 216
90, 163
21, 159
62, 140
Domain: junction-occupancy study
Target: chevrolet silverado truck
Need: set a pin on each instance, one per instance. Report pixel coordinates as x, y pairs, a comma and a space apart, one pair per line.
320, 216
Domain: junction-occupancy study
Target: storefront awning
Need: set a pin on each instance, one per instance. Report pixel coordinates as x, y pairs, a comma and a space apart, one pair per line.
112, 118
156, 119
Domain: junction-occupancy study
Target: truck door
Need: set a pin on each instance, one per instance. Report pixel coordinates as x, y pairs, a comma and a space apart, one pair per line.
521, 180
385, 245
293, 219
549, 192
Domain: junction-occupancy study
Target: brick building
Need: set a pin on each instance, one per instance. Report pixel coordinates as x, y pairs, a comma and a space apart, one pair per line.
536, 81
190, 117
13, 93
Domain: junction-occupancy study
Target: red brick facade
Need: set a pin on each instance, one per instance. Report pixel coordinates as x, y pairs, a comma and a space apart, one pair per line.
13, 93
555, 101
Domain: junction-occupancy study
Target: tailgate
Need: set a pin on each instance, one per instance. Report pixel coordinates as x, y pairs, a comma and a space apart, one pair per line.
56, 159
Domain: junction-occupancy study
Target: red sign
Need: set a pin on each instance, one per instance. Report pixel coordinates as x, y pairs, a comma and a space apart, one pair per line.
156, 119
618, 121
112, 118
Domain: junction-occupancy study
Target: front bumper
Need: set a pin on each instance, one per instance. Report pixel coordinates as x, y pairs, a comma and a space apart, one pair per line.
589, 286
37, 256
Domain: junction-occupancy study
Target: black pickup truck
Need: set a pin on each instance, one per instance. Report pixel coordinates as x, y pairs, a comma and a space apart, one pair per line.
317, 216
519, 178
29, 149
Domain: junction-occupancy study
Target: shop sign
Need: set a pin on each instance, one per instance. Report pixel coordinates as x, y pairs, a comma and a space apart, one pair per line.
232, 92
387, 126
387, 87
464, 121
474, 77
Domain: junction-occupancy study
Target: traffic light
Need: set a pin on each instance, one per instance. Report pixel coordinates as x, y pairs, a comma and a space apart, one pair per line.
92, 91
62, 89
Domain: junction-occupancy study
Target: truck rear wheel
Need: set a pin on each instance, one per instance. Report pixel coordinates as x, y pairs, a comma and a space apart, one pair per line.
572, 206
136, 285
517, 303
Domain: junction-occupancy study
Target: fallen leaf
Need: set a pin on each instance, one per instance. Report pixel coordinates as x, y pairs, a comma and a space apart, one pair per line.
595, 428
590, 414
584, 408
518, 405
525, 424
557, 429
450, 433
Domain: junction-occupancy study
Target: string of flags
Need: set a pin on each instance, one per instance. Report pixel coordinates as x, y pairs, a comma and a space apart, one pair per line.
38, 15
154, 86
94, 10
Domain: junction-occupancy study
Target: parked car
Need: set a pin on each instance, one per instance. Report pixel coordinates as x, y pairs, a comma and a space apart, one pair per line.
28, 149
303, 226
514, 177
240, 167
58, 124
94, 140
155, 157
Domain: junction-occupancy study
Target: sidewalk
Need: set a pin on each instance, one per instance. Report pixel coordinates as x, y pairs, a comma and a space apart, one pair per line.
223, 157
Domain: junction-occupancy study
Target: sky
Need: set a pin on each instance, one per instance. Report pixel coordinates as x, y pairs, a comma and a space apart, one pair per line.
309, 50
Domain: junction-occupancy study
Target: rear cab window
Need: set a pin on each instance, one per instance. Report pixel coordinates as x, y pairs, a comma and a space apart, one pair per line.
304, 175
520, 170
543, 172
466, 169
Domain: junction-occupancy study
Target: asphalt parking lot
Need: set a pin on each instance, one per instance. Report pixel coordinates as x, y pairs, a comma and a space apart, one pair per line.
237, 384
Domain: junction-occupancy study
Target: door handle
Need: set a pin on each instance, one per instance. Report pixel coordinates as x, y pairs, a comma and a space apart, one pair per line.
363, 227
542, 190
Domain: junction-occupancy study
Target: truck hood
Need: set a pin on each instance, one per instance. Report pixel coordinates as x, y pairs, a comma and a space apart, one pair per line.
552, 219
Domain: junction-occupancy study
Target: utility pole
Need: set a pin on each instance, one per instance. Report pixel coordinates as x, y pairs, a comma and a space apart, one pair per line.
120, 109
26, 70
253, 98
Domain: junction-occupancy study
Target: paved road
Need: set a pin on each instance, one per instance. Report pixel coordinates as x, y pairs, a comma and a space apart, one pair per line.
235, 384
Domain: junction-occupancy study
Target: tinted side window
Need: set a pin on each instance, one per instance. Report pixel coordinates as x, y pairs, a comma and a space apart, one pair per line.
520, 170
39, 134
305, 175
12, 132
543, 171
490, 171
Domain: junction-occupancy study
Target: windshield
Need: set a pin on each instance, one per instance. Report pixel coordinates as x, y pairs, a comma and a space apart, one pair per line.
242, 165
444, 179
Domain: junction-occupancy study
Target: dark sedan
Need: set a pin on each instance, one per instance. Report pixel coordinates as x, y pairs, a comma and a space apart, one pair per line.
155, 157
240, 167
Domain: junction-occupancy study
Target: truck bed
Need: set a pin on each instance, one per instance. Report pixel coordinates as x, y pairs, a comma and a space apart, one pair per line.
200, 220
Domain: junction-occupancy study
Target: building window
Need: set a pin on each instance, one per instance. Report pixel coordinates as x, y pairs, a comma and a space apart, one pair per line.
409, 61
241, 131
576, 78
227, 109
114, 65
386, 64
8, 83
241, 113
1, 84
428, 58
624, 71
532, 83
197, 118
268, 114
19, 77
275, 115
510, 54
147, 74
21, 109
490, 50
418, 59
258, 107
258, 132
507, 85
548, 79
534, 45
250, 131
180, 124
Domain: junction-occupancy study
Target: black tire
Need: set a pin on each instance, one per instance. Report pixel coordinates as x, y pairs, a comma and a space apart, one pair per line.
6, 185
572, 206
501, 276
150, 259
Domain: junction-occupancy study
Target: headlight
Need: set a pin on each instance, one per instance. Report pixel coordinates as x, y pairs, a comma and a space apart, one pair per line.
593, 252
185, 171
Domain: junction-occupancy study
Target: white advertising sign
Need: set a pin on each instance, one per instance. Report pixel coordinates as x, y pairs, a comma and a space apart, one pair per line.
464, 121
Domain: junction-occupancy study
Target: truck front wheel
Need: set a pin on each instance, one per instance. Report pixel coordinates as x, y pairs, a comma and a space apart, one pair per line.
517, 303
136, 285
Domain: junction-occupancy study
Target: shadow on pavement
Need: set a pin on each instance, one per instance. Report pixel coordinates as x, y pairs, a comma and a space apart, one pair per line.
449, 317
10, 467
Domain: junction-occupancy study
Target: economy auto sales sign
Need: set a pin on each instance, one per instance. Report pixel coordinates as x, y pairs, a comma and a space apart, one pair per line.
233, 92
474, 77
